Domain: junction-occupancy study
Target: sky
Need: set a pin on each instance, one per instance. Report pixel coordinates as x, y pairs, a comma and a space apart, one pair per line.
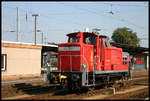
56, 19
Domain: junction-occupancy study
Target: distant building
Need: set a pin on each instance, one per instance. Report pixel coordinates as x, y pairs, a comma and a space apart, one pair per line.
49, 61
141, 55
142, 61
19, 60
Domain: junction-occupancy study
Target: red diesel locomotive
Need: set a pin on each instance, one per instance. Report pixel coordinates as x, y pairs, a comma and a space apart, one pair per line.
88, 59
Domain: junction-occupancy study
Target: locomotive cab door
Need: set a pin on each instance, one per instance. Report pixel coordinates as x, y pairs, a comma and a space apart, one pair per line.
104, 58
107, 55
101, 56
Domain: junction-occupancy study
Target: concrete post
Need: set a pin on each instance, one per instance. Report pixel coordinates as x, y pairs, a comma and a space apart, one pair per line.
147, 63
112, 91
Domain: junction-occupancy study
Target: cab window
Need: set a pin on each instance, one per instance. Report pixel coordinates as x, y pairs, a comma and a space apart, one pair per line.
73, 39
90, 40
107, 44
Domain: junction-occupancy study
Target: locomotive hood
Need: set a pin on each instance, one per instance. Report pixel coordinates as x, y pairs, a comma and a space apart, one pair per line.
69, 57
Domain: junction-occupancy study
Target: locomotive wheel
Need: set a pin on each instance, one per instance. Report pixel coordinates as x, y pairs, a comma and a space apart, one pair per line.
70, 86
74, 86
63, 83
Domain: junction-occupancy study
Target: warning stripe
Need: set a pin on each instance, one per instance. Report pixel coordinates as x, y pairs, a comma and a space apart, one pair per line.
69, 48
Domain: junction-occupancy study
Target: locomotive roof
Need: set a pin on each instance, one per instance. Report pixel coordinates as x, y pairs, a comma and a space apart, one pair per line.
89, 33
104, 36
71, 34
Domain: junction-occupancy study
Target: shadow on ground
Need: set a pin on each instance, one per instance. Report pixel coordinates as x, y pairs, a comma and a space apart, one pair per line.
34, 89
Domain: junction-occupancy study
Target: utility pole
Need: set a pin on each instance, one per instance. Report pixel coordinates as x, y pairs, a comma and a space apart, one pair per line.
35, 26
42, 38
45, 40
17, 24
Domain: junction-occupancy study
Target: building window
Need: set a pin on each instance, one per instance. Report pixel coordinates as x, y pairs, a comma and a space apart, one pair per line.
139, 60
3, 61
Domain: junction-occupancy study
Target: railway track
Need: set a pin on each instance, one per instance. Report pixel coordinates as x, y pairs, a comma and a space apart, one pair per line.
141, 94
56, 92
78, 95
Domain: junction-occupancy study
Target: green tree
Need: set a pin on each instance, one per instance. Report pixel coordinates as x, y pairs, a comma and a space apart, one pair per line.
125, 36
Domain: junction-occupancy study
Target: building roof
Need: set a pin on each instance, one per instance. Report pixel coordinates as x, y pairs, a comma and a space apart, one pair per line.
22, 43
126, 48
131, 49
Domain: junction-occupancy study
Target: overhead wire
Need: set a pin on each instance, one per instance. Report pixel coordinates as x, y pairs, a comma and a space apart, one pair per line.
103, 15
30, 19
85, 9
48, 17
130, 5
